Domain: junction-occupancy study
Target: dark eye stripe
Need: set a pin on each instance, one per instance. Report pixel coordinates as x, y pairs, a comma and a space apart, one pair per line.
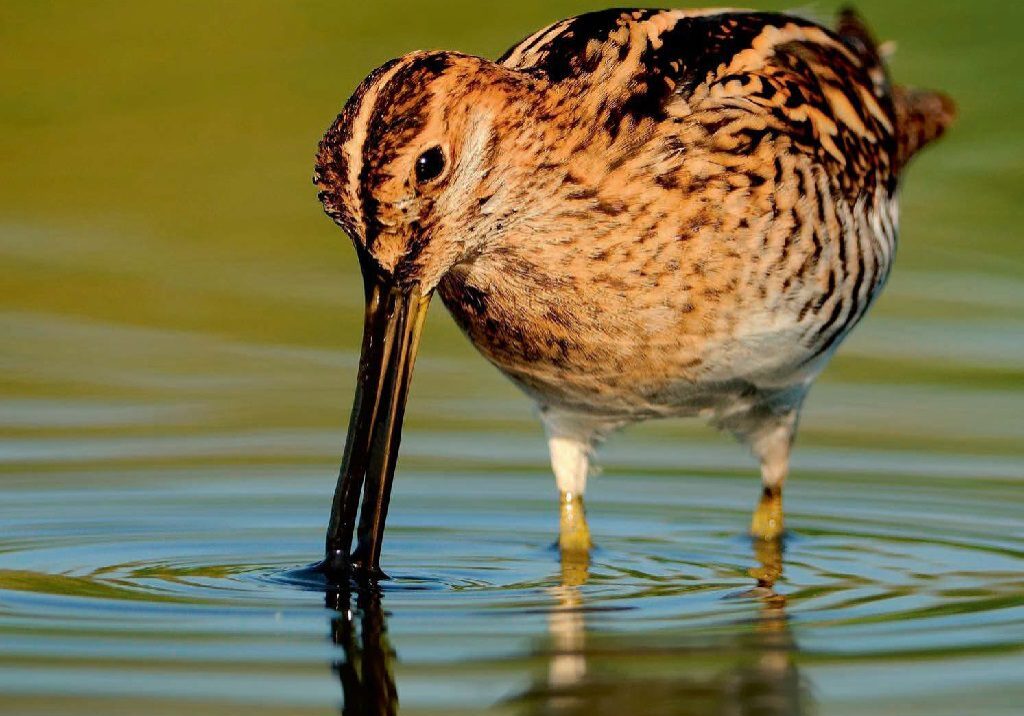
429, 165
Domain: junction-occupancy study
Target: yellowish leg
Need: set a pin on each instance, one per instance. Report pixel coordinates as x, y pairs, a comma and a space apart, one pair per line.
767, 523
573, 533
772, 445
768, 553
575, 569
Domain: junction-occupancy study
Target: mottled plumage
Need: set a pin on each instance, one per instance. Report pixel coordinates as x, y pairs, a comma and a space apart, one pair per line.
642, 213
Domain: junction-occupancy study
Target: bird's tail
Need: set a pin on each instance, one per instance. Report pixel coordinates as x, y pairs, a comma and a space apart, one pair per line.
922, 116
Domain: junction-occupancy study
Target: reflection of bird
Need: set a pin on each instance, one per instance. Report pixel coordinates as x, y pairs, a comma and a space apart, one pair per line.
748, 670
366, 671
633, 214
566, 624
751, 671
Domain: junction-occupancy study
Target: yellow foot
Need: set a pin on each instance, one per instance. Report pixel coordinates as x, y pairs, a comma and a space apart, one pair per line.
573, 533
767, 522
768, 553
575, 569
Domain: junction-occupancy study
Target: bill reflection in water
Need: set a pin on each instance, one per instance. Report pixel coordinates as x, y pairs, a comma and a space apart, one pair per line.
366, 669
752, 670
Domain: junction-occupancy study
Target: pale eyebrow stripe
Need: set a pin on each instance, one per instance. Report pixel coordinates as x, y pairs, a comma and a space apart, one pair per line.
353, 148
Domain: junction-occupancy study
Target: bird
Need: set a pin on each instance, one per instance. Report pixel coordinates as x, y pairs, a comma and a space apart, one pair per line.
632, 214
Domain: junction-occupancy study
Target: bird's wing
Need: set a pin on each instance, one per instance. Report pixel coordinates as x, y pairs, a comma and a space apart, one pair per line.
827, 91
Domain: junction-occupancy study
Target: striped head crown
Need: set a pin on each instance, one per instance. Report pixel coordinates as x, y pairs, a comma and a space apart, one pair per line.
405, 169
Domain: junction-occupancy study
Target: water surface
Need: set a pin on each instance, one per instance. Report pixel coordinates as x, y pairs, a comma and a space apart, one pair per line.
178, 340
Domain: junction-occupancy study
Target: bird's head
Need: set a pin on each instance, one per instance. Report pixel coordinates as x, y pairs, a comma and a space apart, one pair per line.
417, 170
413, 169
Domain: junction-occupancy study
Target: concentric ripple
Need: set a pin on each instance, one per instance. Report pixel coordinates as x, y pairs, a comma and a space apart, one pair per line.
175, 582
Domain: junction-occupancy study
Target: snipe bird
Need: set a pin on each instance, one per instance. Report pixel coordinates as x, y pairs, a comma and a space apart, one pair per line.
633, 214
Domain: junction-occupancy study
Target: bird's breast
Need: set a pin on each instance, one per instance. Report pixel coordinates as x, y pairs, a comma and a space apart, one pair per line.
601, 342
630, 327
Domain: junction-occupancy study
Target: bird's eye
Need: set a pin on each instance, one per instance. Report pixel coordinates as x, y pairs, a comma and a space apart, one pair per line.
429, 165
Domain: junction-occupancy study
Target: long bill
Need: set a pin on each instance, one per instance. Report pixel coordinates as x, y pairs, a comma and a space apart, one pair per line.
391, 333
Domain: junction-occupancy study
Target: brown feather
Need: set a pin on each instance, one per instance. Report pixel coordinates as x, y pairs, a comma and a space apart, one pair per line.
922, 116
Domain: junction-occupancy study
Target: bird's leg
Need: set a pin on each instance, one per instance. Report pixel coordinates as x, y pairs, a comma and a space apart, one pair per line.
768, 554
573, 532
767, 523
570, 460
772, 445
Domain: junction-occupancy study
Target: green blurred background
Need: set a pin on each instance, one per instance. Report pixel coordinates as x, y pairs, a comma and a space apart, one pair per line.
157, 218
